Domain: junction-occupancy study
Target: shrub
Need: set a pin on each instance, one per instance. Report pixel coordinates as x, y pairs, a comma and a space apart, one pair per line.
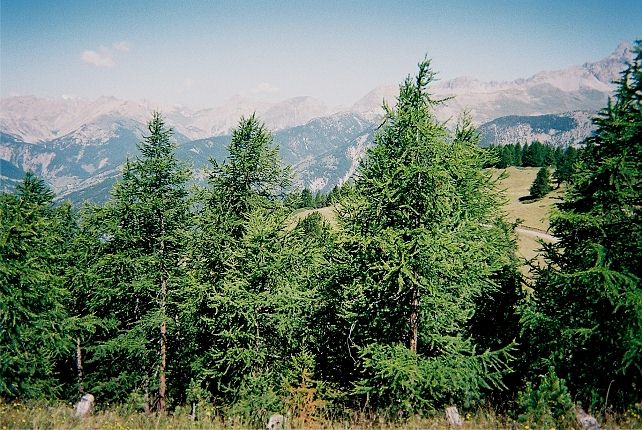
547, 405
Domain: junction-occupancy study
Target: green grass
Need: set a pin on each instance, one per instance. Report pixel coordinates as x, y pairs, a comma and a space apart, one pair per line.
41, 416
533, 213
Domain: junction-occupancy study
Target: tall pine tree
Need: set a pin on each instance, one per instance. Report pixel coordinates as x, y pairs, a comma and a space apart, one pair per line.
585, 318
35, 327
257, 277
139, 247
423, 239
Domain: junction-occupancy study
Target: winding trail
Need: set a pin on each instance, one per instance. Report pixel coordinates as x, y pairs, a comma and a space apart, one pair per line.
538, 234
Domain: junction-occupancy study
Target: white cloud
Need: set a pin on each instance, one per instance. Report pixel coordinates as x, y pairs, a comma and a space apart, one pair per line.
104, 56
264, 87
98, 59
122, 46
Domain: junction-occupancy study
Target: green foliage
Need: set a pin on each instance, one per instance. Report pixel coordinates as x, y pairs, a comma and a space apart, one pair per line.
36, 329
398, 381
303, 402
256, 398
548, 405
137, 270
536, 154
542, 183
252, 176
585, 318
565, 166
423, 240
307, 201
257, 289
262, 305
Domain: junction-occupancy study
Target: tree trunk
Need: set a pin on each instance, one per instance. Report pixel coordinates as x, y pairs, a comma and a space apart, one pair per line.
162, 383
81, 390
414, 294
414, 309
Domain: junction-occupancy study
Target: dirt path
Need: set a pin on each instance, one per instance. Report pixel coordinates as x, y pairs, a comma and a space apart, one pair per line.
537, 234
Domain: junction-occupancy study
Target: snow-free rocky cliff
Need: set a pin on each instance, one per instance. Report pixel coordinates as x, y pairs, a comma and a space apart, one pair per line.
79, 146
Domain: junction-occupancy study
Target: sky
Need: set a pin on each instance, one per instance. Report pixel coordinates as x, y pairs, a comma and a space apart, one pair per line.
200, 53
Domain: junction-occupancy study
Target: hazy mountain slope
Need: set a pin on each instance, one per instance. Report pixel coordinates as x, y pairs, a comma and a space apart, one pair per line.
585, 87
34, 119
317, 151
563, 129
320, 151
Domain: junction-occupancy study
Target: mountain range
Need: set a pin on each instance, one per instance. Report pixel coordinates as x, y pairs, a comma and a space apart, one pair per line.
78, 146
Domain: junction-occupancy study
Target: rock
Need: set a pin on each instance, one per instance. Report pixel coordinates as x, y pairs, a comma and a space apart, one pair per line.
588, 422
84, 406
452, 416
275, 423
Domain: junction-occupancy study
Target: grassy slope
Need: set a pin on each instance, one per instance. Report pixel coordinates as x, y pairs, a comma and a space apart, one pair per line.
533, 214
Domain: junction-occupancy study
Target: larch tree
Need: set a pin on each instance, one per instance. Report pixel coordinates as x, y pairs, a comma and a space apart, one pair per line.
257, 277
542, 183
35, 327
585, 316
423, 239
139, 257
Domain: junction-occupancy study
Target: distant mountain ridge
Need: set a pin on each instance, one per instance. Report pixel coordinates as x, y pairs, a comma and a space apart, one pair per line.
564, 129
586, 87
34, 119
79, 146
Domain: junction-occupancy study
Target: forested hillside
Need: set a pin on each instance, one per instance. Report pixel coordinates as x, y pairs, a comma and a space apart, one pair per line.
177, 300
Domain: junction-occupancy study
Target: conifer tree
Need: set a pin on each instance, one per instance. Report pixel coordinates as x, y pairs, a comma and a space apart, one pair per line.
252, 176
35, 327
565, 166
507, 156
519, 155
585, 318
423, 238
307, 201
138, 240
257, 278
542, 183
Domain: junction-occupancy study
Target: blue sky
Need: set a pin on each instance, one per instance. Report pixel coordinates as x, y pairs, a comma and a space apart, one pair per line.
199, 53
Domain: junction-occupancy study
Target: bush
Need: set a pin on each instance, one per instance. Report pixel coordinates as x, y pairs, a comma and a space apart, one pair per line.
548, 405
398, 382
256, 399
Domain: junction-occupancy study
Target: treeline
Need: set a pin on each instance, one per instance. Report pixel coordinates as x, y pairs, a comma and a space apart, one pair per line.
169, 295
305, 198
536, 154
